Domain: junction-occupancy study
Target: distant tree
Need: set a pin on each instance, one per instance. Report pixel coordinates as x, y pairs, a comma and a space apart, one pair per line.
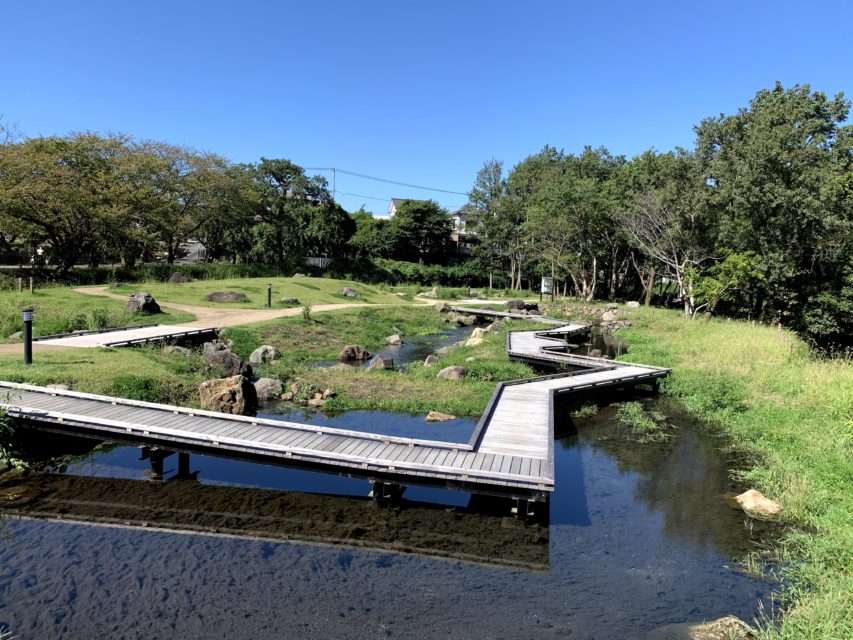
420, 232
372, 238
486, 201
666, 220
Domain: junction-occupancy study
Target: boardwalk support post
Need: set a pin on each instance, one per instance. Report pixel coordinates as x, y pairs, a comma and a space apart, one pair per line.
386, 492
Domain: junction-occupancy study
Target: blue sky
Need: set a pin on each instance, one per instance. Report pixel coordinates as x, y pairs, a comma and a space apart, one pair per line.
417, 92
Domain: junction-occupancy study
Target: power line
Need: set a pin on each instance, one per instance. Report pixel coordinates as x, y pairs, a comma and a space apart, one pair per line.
401, 184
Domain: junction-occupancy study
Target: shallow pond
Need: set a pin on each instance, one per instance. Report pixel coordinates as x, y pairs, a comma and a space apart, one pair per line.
414, 348
638, 537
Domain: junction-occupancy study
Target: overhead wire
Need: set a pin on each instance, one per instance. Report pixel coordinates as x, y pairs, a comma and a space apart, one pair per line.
401, 184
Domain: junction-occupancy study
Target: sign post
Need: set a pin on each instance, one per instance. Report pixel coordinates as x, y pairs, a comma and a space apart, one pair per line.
547, 287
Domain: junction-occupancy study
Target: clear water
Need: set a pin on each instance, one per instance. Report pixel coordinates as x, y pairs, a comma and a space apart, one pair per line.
638, 537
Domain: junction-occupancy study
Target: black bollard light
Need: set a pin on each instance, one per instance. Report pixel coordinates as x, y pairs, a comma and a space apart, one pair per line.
28, 335
269, 295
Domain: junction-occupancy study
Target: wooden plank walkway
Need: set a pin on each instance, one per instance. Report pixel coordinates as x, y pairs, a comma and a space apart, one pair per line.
127, 337
511, 449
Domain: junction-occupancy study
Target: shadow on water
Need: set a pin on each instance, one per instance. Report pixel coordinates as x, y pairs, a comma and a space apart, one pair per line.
638, 537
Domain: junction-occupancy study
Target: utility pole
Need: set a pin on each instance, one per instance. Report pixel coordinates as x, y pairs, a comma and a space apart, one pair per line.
334, 179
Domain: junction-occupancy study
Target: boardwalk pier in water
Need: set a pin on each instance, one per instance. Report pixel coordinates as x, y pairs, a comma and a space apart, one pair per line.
511, 451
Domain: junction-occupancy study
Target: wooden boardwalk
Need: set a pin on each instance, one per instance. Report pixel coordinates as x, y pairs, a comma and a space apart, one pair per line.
510, 452
128, 337
489, 313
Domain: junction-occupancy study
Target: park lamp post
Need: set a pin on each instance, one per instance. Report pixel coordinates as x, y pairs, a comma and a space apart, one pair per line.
269, 295
27, 314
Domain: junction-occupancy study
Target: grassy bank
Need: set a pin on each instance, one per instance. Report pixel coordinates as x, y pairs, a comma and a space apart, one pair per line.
792, 416
311, 291
62, 310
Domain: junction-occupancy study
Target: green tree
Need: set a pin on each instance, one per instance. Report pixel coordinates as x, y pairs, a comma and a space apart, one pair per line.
420, 232
772, 167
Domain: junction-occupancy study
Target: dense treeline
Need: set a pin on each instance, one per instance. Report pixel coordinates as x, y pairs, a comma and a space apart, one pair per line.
755, 221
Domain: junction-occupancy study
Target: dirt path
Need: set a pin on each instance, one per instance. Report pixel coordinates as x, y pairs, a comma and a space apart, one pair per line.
220, 318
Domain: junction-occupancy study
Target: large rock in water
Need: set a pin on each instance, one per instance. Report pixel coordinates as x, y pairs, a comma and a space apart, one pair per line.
264, 353
394, 340
438, 416
755, 503
142, 302
229, 361
225, 296
235, 395
268, 389
353, 353
452, 373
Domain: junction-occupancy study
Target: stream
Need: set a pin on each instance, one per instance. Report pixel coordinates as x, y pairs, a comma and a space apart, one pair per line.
637, 538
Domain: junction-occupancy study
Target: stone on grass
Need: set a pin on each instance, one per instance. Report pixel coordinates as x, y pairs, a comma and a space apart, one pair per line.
497, 325
380, 362
317, 403
289, 300
470, 359
608, 316
264, 353
394, 340
268, 388
142, 302
225, 296
298, 275
479, 332
442, 307
433, 293
353, 353
175, 350
349, 292
473, 342
16, 337
438, 416
179, 278
756, 504
632, 304
328, 393
517, 305
430, 361
454, 372
229, 361
235, 395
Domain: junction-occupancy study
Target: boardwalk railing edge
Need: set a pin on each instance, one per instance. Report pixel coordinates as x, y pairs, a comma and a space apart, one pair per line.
231, 417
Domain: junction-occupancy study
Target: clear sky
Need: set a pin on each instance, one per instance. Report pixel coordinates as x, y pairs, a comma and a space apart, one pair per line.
417, 92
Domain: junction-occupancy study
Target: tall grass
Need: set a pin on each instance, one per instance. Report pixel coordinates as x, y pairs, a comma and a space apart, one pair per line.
791, 414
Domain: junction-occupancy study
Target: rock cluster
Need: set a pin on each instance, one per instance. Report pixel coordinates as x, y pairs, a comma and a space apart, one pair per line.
349, 292
289, 300
142, 302
175, 350
307, 395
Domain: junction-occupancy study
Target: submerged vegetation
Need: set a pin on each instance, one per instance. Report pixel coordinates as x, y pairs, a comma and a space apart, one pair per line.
643, 425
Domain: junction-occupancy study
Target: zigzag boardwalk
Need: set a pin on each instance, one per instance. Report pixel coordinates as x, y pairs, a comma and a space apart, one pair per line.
509, 453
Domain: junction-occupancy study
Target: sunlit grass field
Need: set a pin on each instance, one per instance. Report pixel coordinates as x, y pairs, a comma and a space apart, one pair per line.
311, 291
62, 310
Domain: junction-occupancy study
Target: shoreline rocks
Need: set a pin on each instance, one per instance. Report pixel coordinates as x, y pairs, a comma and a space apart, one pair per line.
353, 353
454, 372
756, 504
264, 353
235, 395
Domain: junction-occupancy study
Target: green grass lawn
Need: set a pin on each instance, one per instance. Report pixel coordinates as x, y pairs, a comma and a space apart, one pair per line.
62, 310
311, 291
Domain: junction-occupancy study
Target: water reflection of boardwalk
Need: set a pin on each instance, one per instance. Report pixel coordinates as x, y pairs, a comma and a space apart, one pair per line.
467, 534
510, 452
